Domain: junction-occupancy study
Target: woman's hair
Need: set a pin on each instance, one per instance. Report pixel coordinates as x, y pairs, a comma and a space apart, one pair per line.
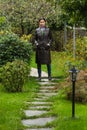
42, 19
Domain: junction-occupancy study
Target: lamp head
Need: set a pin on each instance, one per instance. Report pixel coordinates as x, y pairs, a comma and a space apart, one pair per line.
73, 71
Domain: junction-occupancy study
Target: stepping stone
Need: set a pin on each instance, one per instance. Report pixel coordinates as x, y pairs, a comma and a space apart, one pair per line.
40, 99
45, 80
41, 129
39, 103
44, 91
47, 87
47, 94
39, 107
43, 97
46, 83
37, 122
47, 91
53, 87
31, 113
34, 73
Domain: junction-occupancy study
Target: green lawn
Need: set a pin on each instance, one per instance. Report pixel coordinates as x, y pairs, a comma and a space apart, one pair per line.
13, 104
63, 111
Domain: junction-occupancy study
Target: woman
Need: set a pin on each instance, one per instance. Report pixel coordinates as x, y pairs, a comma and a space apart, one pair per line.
43, 40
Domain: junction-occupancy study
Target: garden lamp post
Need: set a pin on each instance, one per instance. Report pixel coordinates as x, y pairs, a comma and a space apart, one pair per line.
73, 73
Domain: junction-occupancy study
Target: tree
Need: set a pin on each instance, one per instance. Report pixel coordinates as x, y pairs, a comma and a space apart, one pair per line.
76, 11
23, 14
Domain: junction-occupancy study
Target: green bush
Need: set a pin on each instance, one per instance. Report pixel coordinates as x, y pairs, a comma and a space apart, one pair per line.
80, 93
12, 47
57, 40
14, 75
81, 48
1, 70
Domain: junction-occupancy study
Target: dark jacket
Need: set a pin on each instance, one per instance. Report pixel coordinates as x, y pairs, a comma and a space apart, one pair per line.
43, 40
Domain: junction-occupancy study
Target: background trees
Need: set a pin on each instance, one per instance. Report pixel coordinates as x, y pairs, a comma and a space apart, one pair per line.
76, 11
23, 15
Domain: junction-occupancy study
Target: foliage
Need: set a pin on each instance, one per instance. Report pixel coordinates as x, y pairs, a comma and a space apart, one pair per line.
76, 11
26, 37
1, 70
14, 75
57, 40
13, 48
24, 15
81, 48
80, 93
80, 87
3, 23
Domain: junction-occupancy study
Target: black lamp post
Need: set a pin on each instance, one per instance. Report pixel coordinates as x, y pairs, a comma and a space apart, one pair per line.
73, 73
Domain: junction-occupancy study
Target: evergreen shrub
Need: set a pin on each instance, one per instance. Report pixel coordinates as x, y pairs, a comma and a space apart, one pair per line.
14, 75
12, 47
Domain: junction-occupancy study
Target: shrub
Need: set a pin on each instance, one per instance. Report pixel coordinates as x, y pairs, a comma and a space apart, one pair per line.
81, 48
80, 93
1, 70
27, 37
57, 40
12, 47
14, 75
80, 87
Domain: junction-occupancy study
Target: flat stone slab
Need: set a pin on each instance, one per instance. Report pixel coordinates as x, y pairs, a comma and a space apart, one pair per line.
47, 94
45, 80
39, 103
34, 73
47, 87
40, 107
41, 129
44, 98
40, 99
46, 83
31, 113
38, 121
47, 91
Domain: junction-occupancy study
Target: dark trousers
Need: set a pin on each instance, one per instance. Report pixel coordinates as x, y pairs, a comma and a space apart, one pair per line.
48, 69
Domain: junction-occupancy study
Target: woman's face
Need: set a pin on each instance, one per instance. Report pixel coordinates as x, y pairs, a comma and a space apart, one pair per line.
42, 23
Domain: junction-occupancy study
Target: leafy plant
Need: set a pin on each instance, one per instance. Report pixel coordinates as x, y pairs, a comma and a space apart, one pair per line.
26, 37
12, 47
1, 70
3, 23
14, 75
81, 47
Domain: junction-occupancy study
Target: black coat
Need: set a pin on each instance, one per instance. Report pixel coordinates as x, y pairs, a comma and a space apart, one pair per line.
43, 40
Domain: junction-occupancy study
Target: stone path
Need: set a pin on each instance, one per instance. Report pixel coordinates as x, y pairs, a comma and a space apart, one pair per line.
37, 114
35, 74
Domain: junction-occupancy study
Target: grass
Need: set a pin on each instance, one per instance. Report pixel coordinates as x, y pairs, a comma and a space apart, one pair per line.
62, 108
63, 111
12, 105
